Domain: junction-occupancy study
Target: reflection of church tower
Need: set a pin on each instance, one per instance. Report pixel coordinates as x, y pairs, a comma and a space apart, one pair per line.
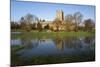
60, 15
59, 43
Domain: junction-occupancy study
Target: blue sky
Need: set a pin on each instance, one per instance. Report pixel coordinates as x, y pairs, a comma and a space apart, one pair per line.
47, 11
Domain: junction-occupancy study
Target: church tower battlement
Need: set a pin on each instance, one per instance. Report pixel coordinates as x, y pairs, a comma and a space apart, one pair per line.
60, 15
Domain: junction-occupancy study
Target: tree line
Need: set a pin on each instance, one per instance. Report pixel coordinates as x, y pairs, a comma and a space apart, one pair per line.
31, 22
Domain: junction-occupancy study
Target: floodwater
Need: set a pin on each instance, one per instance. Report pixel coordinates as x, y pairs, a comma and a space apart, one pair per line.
54, 46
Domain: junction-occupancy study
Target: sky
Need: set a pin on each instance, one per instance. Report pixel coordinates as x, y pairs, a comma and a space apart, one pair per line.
47, 11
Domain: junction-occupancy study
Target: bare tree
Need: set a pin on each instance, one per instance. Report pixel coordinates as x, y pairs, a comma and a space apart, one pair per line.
22, 23
69, 18
69, 25
47, 26
27, 21
39, 26
77, 19
29, 18
14, 25
89, 25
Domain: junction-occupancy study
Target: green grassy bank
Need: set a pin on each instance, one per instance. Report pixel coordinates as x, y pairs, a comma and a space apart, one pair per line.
51, 34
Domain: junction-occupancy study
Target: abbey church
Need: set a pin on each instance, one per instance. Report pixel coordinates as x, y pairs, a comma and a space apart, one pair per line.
53, 25
60, 15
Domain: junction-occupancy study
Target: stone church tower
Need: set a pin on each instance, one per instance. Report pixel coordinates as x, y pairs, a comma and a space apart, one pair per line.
60, 15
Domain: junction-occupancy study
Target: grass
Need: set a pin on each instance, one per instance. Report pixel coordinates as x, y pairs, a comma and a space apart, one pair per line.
50, 34
16, 48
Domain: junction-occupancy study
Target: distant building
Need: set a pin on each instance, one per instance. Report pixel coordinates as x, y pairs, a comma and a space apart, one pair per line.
52, 25
60, 15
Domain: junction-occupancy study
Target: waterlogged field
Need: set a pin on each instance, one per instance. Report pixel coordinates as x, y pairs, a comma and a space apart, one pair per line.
32, 48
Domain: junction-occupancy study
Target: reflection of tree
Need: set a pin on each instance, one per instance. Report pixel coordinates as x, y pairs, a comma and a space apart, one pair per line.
28, 42
89, 40
72, 42
75, 42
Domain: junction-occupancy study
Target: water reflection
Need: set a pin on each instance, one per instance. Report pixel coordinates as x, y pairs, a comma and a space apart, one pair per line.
59, 42
28, 43
54, 46
89, 40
